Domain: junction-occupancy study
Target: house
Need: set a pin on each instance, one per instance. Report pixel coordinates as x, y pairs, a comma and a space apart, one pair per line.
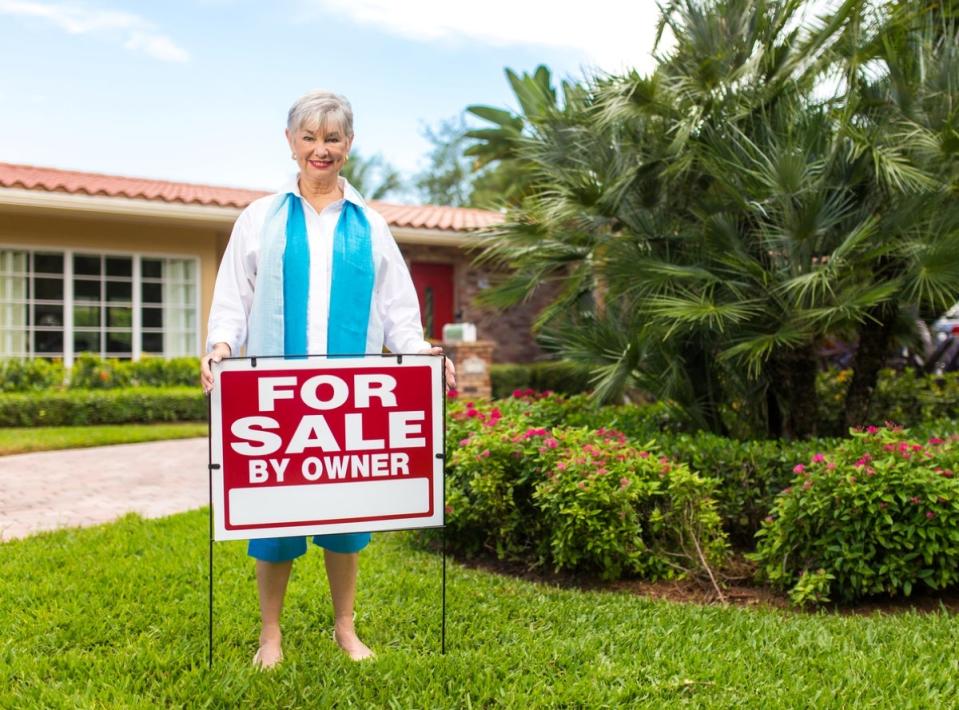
124, 267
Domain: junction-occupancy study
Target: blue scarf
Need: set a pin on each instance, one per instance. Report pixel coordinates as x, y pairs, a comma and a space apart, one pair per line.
279, 314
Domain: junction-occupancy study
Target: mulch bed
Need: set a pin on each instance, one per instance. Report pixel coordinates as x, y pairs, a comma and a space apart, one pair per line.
739, 589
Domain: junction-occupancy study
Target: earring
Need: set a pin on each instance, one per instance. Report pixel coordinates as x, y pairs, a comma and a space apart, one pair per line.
293, 156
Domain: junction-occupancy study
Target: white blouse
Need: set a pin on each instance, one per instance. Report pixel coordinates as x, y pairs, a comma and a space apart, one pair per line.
394, 318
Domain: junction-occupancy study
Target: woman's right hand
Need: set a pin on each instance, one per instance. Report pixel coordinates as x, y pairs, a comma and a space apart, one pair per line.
219, 351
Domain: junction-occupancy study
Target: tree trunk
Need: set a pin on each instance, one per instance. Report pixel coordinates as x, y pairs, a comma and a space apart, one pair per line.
706, 388
774, 415
795, 386
874, 341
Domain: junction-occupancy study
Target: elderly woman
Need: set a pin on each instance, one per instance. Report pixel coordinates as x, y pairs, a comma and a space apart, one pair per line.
313, 270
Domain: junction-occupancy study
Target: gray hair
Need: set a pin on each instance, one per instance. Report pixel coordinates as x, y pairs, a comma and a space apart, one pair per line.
318, 107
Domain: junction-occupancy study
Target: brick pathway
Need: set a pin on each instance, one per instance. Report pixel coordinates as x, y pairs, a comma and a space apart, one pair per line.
76, 487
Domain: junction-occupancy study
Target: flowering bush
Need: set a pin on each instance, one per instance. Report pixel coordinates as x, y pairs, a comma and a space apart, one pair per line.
750, 474
877, 514
573, 498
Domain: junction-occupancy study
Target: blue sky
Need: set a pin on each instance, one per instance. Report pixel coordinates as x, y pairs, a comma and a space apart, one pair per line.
198, 90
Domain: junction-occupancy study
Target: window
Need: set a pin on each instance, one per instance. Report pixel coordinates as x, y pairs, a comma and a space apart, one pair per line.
57, 304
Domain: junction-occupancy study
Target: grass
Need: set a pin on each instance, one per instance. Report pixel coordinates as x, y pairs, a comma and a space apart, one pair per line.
116, 616
22, 440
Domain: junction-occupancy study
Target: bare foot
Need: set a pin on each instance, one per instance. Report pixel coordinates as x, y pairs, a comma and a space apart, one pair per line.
345, 637
270, 652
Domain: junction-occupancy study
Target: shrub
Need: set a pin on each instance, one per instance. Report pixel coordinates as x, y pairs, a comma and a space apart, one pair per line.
119, 406
573, 498
93, 372
750, 474
905, 397
878, 514
18, 375
166, 372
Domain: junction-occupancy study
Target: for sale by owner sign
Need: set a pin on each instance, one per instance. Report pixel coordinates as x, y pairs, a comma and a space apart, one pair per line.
316, 445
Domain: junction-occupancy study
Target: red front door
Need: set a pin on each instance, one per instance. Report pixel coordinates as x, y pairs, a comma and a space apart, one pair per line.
434, 289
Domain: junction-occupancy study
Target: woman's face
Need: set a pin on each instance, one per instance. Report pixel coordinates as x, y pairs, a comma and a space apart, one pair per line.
320, 150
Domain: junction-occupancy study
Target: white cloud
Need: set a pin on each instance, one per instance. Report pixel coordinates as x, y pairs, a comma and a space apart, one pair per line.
611, 34
140, 34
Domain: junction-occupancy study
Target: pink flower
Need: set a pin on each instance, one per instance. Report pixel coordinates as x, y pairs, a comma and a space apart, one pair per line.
496, 413
452, 394
807, 485
601, 472
472, 413
872, 429
465, 442
581, 485
644, 454
769, 520
946, 474
517, 393
787, 490
935, 441
818, 458
561, 466
551, 443
915, 500
831, 466
930, 515
448, 509
798, 468
484, 454
889, 447
623, 482
870, 471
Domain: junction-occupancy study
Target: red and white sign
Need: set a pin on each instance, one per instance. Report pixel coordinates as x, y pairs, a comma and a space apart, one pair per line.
318, 446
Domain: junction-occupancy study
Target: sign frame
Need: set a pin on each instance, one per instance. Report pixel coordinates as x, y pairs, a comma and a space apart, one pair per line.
434, 517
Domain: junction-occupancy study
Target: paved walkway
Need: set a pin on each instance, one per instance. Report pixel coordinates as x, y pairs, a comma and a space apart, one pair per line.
76, 487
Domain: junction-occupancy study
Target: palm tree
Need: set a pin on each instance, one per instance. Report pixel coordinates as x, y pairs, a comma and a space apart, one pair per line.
373, 177
712, 223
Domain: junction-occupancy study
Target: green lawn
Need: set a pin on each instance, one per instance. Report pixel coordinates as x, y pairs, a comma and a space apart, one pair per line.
116, 616
21, 440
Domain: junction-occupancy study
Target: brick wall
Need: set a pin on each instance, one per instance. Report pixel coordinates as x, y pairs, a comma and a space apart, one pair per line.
510, 330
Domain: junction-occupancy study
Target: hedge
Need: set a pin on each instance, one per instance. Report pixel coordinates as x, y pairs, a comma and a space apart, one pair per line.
93, 372
116, 406
553, 376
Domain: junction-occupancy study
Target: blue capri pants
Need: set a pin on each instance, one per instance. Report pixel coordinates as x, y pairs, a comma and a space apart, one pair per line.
284, 549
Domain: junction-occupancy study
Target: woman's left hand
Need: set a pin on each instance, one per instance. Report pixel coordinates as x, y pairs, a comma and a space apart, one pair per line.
450, 369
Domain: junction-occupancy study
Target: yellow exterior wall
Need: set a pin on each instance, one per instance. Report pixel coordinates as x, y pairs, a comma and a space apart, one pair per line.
122, 235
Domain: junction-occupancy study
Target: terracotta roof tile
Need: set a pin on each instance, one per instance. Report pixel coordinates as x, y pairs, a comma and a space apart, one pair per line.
29, 177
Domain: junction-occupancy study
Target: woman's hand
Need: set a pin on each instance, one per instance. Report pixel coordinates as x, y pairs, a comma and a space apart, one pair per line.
450, 370
219, 351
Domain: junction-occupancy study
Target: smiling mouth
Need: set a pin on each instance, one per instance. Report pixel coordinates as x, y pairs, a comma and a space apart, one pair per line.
320, 163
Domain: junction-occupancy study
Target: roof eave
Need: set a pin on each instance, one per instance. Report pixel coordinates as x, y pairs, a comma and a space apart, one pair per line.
66, 204
92, 206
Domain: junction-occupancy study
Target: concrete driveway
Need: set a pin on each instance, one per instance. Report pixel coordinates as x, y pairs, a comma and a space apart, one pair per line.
77, 487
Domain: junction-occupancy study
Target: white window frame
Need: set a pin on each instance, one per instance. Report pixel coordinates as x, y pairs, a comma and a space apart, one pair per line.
136, 284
